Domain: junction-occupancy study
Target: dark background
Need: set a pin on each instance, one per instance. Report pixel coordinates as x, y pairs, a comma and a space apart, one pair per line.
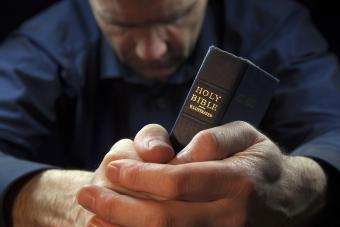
14, 12
324, 15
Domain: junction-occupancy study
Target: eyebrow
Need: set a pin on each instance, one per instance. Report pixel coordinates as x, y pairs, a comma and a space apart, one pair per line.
168, 19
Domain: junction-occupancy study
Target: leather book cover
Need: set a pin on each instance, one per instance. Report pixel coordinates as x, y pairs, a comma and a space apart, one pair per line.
226, 88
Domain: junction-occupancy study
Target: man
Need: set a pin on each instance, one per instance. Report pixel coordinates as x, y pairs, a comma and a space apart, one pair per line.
69, 90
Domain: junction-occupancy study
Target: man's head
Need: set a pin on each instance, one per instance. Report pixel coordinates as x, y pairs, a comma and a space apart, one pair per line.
152, 37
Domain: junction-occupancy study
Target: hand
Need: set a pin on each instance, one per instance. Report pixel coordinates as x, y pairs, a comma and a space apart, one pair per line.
151, 144
48, 198
227, 176
123, 149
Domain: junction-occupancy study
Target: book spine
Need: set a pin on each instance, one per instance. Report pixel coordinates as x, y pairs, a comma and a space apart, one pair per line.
209, 96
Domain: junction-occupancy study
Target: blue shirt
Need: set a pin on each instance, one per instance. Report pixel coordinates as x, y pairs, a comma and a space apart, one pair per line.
65, 98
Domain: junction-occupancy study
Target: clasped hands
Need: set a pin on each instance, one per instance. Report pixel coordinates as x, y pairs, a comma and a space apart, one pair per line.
231, 175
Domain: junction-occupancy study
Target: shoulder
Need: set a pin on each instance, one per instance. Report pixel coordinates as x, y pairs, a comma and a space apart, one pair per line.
257, 20
260, 29
250, 14
66, 27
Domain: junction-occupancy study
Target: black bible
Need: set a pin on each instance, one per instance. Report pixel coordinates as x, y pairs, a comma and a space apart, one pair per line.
226, 88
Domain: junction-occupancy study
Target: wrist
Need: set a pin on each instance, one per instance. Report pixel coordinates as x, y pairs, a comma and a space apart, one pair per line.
328, 216
11, 195
48, 199
308, 185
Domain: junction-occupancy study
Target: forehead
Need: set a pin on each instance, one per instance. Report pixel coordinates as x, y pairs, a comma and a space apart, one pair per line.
136, 10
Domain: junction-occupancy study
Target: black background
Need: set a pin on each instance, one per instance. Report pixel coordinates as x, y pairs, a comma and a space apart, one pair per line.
14, 12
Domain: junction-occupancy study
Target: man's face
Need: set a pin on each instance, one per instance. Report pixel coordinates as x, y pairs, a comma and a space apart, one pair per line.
152, 37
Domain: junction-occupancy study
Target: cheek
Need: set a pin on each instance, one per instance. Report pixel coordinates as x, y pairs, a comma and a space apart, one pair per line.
183, 41
179, 40
120, 42
122, 45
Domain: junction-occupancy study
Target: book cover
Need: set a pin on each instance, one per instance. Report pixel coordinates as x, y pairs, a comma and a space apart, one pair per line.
226, 88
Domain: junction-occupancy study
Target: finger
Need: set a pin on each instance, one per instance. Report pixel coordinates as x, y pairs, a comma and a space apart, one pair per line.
123, 149
153, 145
219, 143
122, 210
108, 205
96, 221
204, 181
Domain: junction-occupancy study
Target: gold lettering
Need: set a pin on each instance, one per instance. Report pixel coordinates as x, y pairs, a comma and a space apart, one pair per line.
194, 98
211, 96
218, 98
205, 99
205, 113
203, 102
214, 107
199, 90
209, 106
205, 93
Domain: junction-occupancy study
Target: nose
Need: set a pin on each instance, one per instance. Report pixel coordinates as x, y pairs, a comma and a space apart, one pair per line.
150, 45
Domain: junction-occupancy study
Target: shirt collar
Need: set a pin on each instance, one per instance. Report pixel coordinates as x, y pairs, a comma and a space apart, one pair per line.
111, 67
109, 61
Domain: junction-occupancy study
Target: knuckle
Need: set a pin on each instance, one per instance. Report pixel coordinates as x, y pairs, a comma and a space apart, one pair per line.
148, 133
247, 128
131, 173
118, 149
123, 149
246, 182
120, 145
210, 144
233, 215
109, 157
212, 141
112, 208
248, 133
178, 186
107, 205
151, 129
161, 219
242, 124
249, 185
207, 139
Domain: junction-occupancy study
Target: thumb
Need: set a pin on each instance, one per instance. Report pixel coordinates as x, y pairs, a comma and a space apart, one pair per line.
153, 145
122, 149
219, 143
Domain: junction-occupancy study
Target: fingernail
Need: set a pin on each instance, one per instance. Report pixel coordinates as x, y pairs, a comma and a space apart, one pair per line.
112, 172
86, 199
95, 222
156, 143
184, 155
